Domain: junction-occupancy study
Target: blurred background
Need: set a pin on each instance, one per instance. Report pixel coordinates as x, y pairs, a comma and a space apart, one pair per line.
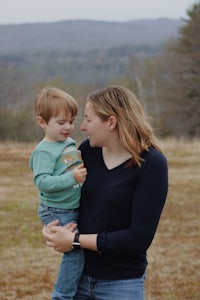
151, 48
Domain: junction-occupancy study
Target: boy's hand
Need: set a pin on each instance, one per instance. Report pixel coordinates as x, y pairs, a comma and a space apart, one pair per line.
80, 173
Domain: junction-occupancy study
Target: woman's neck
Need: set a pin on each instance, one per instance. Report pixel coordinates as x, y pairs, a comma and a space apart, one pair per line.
115, 155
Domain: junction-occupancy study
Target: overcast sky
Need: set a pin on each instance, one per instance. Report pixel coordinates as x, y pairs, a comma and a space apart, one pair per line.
29, 11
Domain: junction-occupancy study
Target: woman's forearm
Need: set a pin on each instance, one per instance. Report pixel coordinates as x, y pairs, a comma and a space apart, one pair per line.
61, 238
88, 241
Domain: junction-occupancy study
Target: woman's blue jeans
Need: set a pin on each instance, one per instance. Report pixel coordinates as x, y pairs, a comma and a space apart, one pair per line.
72, 263
97, 289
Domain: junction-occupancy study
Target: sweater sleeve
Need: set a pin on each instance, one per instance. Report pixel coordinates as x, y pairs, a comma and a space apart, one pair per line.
147, 204
43, 164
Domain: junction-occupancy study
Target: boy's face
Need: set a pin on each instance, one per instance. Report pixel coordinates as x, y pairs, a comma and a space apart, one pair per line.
58, 128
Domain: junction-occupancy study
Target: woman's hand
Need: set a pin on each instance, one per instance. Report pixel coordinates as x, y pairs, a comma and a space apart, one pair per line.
60, 238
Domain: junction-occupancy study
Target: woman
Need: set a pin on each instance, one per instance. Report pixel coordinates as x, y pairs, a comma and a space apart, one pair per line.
122, 197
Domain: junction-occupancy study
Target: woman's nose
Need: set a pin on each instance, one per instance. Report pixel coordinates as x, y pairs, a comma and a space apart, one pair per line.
82, 126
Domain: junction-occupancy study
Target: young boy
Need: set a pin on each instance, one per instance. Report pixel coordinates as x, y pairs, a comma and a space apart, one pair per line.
58, 174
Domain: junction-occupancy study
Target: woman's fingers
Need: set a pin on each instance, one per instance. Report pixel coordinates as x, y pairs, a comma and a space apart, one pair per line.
53, 223
71, 226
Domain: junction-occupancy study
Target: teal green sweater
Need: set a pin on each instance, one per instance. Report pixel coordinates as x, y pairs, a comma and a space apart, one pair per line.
52, 164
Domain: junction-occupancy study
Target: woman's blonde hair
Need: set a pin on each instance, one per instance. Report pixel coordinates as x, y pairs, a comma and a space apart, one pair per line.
51, 101
135, 132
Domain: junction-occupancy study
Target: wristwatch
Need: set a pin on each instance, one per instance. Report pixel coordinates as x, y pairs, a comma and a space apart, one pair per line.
76, 244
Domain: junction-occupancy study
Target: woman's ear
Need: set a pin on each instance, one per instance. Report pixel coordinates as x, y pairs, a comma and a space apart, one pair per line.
41, 122
112, 122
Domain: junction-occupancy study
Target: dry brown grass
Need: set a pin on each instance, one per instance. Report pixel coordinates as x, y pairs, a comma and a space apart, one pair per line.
28, 268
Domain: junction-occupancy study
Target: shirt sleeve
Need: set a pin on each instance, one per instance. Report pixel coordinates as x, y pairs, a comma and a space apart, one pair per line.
147, 204
43, 164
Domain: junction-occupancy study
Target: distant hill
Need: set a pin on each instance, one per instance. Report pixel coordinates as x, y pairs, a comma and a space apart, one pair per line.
80, 35
80, 51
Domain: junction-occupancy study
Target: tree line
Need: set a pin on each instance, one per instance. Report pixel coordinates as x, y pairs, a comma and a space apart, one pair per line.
167, 84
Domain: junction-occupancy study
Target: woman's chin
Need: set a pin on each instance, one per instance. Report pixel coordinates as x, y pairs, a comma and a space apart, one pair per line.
92, 144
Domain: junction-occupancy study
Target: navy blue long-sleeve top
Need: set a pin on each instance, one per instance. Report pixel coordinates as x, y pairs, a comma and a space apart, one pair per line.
123, 206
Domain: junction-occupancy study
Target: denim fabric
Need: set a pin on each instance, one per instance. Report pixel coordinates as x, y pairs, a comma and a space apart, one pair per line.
97, 289
49, 214
72, 263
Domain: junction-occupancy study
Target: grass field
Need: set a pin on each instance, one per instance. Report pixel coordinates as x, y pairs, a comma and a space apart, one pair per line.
28, 268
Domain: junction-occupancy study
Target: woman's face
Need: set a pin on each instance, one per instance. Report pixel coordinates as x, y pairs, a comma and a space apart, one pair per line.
96, 129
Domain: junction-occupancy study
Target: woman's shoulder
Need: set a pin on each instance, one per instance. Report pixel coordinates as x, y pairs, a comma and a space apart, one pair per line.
85, 146
154, 154
88, 151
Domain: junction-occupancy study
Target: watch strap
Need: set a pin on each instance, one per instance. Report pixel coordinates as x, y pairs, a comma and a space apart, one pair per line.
76, 244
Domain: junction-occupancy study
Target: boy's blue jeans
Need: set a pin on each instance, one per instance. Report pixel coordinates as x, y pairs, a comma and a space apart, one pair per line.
72, 263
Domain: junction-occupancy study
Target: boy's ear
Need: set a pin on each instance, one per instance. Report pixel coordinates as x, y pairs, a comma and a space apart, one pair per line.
41, 122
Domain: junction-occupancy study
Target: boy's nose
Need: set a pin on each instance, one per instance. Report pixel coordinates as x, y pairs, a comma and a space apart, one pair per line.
68, 125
